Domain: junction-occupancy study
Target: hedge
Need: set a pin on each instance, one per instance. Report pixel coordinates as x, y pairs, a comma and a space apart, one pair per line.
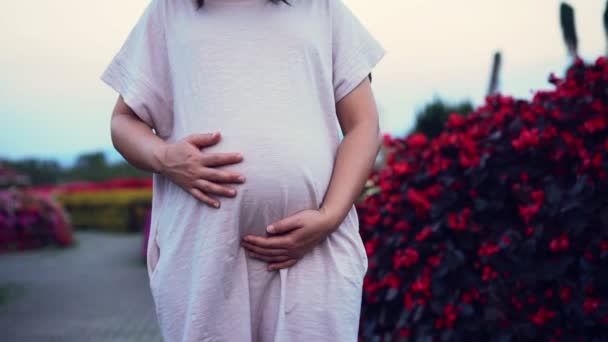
116, 210
497, 230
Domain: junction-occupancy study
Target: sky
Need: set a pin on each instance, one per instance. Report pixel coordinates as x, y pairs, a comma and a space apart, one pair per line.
53, 104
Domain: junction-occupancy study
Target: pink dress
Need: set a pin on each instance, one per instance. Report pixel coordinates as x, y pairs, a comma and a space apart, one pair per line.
268, 77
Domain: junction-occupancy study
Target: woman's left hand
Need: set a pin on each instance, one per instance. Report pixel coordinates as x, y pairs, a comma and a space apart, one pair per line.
291, 238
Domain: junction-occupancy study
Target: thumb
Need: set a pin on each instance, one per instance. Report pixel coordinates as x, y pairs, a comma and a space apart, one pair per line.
202, 140
285, 225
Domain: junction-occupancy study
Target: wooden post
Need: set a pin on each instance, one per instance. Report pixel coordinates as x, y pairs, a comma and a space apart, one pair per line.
495, 75
569, 29
606, 26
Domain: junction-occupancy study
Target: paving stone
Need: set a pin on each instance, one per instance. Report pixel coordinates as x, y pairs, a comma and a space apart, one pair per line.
95, 291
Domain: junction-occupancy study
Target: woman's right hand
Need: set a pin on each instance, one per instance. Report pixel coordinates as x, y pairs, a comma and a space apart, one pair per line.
194, 170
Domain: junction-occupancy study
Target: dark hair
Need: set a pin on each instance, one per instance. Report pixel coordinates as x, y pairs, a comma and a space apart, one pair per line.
200, 3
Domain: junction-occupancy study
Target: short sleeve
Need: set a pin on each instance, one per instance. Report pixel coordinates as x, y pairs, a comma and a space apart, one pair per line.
355, 51
140, 71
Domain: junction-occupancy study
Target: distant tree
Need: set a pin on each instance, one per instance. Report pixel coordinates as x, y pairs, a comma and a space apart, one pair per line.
95, 167
124, 169
91, 160
569, 29
39, 171
89, 166
431, 119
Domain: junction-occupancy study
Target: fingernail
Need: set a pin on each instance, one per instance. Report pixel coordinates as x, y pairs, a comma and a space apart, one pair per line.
233, 192
241, 179
216, 204
270, 229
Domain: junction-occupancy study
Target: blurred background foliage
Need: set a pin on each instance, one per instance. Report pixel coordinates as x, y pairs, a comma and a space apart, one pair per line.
93, 166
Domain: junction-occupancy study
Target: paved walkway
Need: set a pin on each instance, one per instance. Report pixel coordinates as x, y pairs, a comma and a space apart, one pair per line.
95, 291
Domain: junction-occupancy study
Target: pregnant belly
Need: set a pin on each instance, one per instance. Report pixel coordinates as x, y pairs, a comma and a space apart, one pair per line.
283, 175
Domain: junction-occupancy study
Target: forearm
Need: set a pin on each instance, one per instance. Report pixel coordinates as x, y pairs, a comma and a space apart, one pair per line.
136, 142
354, 161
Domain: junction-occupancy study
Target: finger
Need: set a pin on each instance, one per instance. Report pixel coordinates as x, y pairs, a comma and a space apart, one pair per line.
285, 225
219, 159
212, 188
204, 198
222, 176
202, 140
271, 242
284, 264
273, 259
263, 251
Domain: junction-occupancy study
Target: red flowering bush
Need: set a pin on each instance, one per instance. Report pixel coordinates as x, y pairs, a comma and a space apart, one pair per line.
29, 220
496, 230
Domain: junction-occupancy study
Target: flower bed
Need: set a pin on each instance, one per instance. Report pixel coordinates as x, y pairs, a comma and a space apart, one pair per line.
498, 228
119, 205
28, 220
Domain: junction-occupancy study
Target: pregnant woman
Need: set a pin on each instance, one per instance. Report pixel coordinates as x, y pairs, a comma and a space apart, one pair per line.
281, 258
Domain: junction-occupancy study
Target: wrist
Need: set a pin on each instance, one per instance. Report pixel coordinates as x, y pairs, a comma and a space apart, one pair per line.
332, 217
158, 158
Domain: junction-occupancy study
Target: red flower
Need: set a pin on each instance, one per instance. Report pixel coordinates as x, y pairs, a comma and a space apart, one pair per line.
455, 120
560, 243
529, 231
406, 258
402, 226
527, 139
590, 305
370, 246
595, 124
421, 284
402, 168
404, 332
424, 233
459, 221
434, 191
538, 197
528, 212
418, 200
417, 141
488, 248
489, 273
565, 294
542, 316
392, 280
434, 260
